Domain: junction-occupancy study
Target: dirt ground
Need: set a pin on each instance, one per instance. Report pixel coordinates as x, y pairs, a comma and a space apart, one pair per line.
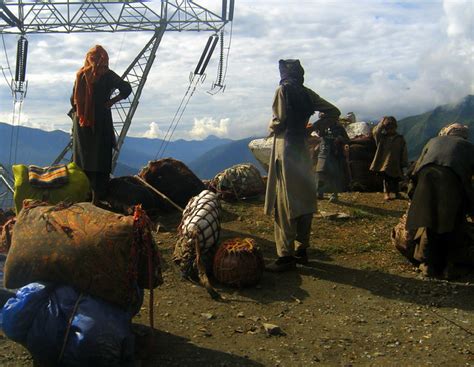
357, 303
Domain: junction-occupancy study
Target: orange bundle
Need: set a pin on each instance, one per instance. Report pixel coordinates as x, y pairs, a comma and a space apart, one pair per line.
238, 262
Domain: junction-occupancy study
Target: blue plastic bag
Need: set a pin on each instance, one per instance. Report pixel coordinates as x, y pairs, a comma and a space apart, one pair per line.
38, 317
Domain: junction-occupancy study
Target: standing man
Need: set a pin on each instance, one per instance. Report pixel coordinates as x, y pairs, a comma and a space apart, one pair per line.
291, 189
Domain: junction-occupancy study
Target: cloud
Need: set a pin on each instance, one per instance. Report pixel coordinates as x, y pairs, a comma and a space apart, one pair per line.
372, 57
206, 126
153, 131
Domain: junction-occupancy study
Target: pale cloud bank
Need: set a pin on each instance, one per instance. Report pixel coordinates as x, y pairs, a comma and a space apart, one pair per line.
153, 131
206, 126
373, 57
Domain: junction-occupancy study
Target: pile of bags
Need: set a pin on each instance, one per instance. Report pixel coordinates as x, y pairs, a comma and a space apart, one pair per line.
80, 269
362, 149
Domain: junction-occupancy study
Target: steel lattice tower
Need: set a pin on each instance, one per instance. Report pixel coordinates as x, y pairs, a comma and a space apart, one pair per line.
79, 16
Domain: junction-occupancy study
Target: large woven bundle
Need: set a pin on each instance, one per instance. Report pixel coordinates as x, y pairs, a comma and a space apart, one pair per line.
238, 182
99, 252
172, 178
238, 262
404, 240
76, 190
198, 232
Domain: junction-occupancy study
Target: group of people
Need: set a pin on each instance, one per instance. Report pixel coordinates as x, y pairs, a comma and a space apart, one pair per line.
441, 182
441, 192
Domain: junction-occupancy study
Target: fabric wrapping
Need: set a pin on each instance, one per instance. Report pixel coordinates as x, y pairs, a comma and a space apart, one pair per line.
98, 252
48, 177
76, 190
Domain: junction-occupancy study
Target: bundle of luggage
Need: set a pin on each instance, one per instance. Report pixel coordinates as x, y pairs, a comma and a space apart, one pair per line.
172, 178
361, 153
198, 242
50, 184
238, 182
87, 260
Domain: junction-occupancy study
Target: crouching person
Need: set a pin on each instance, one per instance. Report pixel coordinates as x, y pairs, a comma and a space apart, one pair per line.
442, 194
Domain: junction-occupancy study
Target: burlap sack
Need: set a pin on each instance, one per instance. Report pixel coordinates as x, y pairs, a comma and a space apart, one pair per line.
96, 251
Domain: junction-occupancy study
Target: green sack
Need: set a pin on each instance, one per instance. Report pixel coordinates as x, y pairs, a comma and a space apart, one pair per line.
75, 191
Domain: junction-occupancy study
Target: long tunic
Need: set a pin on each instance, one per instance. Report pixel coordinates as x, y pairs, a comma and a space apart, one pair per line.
442, 180
391, 154
92, 146
290, 176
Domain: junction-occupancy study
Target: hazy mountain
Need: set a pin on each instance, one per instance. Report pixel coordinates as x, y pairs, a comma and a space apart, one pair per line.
209, 156
419, 129
222, 157
39, 147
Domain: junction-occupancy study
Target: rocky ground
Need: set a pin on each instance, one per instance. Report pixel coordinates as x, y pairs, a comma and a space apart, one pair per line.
358, 302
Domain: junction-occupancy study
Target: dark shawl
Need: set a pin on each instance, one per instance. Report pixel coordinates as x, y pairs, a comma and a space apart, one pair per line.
92, 146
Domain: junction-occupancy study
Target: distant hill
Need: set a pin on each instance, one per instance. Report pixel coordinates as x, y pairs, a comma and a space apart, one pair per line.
39, 147
222, 157
420, 128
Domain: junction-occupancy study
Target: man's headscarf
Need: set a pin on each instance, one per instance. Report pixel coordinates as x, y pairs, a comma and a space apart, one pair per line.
455, 129
95, 65
291, 72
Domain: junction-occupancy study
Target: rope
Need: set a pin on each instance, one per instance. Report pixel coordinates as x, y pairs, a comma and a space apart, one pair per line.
69, 324
11, 135
18, 130
164, 143
159, 193
174, 117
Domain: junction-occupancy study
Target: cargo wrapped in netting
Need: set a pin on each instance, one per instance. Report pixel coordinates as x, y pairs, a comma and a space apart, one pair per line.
239, 182
238, 262
198, 233
99, 252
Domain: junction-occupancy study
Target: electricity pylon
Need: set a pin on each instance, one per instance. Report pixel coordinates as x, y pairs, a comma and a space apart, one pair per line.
73, 16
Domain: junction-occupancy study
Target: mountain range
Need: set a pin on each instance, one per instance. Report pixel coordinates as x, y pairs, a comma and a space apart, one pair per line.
209, 156
418, 129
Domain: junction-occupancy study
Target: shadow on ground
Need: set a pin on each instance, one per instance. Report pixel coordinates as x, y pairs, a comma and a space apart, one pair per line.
166, 349
376, 210
418, 291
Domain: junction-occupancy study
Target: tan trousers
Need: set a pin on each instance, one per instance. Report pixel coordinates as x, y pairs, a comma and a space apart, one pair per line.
291, 235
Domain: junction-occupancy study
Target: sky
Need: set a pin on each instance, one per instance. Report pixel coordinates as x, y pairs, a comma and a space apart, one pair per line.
373, 58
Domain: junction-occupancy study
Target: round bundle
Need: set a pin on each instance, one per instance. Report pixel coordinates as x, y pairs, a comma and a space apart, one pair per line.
238, 262
238, 182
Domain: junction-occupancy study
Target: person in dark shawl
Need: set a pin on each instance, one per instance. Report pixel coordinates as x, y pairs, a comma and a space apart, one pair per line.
391, 156
291, 188
332, 169
93, 131
442, 195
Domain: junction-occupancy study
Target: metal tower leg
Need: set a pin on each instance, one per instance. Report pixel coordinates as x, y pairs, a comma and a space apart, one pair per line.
136, 74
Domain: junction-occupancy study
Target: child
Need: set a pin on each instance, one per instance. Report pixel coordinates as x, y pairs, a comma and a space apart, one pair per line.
391, 155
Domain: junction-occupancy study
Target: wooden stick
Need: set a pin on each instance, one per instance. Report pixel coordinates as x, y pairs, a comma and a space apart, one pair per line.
159, 193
